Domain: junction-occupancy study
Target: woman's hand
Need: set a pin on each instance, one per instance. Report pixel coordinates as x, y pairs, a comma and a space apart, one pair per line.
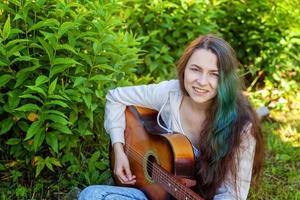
122, 167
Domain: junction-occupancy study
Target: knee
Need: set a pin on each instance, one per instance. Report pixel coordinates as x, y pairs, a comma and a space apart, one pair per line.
89, 193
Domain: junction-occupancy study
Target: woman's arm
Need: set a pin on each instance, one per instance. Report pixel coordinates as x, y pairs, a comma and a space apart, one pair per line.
150, 96
244, 170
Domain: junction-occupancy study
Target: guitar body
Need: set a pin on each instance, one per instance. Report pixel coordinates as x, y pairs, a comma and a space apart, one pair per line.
152, 156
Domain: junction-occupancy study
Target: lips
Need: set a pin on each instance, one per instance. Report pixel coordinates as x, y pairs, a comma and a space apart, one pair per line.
201, 91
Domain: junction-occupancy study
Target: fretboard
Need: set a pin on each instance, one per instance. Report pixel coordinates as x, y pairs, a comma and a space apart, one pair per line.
172, 185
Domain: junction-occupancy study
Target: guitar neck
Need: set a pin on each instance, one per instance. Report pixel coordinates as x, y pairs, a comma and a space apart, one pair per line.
172, 185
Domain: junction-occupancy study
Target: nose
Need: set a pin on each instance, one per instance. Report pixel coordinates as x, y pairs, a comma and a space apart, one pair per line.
202, 79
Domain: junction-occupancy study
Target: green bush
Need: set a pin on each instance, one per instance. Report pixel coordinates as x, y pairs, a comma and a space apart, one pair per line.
165, 28
57, 60
266, 36
262, 32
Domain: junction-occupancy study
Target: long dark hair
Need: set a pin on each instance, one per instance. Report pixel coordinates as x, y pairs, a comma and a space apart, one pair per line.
226, 119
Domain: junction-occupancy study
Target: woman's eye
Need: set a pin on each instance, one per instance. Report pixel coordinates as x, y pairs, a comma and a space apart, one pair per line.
215, 74
194, 69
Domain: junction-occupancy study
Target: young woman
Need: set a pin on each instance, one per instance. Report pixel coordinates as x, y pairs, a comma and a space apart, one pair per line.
207, 105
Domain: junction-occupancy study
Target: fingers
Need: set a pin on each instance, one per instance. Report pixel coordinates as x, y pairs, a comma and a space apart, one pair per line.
125, 176
125, 179
129, 176
122, 168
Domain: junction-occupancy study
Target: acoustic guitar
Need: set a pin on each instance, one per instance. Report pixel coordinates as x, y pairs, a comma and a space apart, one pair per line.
162, 162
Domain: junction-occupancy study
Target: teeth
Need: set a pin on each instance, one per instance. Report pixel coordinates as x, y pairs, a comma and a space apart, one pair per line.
200, 90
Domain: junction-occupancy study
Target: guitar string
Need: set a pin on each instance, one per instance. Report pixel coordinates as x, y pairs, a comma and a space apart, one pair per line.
182, 189
163, 176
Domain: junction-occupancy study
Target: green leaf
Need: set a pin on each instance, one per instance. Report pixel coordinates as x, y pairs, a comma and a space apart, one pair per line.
49, 164
13, 141
52, 87
107, 67
58, 69
65, 47
2, 49
15, 31
55, 162
6, 29
57, 119
48, 48
40, 166
50, 36
6, 125
35, 128
89, 114
105, 175
65, 27
2, 167
16, 41
5, 78
65, 61
13, 99
38, 139
23, 74
23, 58
57, 103
45, 23
102, 165
95, 157
30, 96
86, 132
148, 17
87, 98
61, 128
86, 58
56, 96
100, 77
52, 140
23, 125
56, 112
41, 80
73, 116
28, 107
79, 81
4, 62
29, 69
93, 160
15, 50
38, 90
21, 77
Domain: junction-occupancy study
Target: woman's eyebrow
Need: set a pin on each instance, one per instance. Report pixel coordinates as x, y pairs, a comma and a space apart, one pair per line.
212, 70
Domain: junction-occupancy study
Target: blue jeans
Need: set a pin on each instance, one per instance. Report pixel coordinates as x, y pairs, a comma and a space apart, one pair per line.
107, 192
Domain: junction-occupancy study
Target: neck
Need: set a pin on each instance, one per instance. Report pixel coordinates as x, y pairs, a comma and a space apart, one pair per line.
198, 107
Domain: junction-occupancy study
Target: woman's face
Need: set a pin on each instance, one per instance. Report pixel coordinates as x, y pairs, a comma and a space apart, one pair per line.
201, 76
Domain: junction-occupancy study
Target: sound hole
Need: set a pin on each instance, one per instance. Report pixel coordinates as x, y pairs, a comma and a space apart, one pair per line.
148, 165
151, 160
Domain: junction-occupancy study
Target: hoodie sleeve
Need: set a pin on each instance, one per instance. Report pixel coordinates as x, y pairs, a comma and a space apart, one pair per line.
150, 96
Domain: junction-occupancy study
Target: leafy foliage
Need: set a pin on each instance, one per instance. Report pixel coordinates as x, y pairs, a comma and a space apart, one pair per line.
58, 58
166, 27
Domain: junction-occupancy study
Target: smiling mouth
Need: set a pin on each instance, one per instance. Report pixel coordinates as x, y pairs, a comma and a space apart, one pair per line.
200, 90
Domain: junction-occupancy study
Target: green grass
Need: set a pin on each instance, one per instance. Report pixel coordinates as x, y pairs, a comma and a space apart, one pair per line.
281, 176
